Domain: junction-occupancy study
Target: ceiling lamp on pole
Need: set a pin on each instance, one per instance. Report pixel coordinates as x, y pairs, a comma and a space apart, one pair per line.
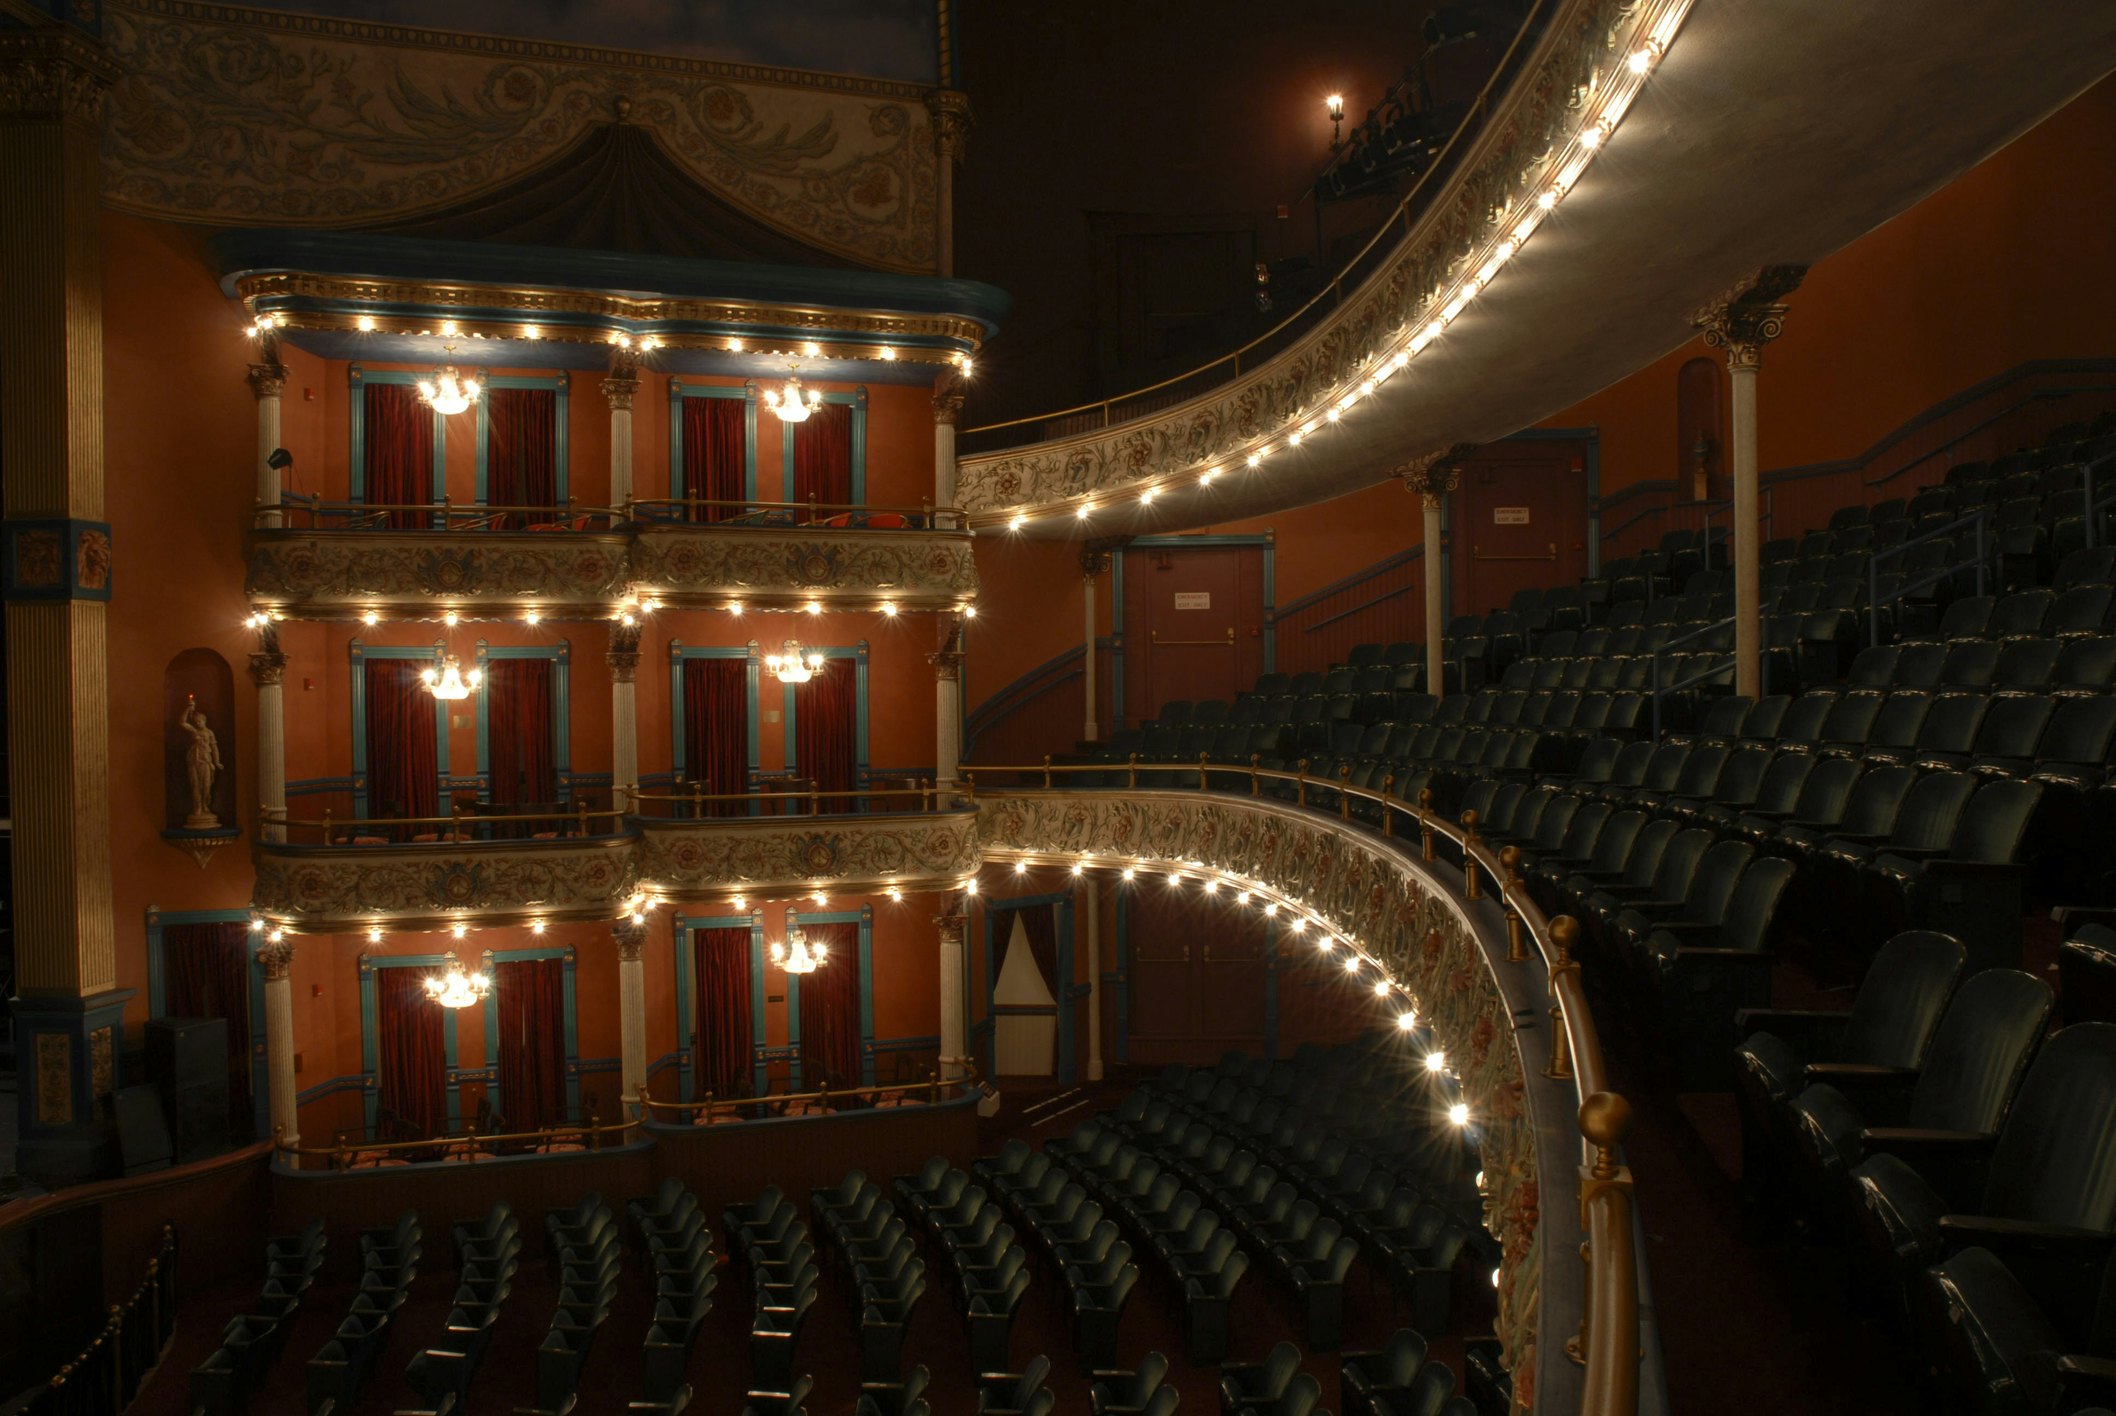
448, 392
450, 682
799, 957
456, 989
793, 664
793, 402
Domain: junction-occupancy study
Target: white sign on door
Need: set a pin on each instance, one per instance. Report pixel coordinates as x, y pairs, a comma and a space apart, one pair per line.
1193, 599
1509, 516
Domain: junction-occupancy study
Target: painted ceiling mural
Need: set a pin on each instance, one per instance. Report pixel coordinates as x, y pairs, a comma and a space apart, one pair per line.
264, 117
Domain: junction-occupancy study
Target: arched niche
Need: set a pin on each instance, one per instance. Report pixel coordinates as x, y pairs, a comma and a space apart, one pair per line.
201, 676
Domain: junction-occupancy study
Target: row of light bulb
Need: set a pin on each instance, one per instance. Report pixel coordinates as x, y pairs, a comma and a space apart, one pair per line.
1298, 921
628, 613
1566, 169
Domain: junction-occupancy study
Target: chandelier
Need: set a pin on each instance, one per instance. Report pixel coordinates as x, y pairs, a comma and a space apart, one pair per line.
447, 391
450, 682
792, 402
792, 664
800, 957
456, 989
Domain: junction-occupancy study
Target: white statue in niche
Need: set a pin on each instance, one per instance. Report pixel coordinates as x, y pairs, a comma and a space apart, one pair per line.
202, 763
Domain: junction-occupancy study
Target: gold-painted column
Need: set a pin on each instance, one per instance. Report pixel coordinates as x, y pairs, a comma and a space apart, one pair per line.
52, 84
951, 124
1741, 322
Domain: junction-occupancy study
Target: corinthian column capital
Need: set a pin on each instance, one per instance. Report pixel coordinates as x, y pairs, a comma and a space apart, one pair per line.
1750, 315
1433, 475
277, 960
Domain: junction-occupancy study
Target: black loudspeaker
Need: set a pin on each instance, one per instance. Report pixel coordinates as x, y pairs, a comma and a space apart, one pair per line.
143, 1130
187, 1060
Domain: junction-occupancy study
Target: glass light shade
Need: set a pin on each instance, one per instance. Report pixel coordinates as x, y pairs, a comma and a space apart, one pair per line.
793, 403
450, 683
448, 392
456, 989
800, 957
792, 665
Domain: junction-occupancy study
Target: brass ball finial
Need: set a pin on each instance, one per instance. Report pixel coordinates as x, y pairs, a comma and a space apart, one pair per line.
1510, 857
1605, 1119
1425, 796
1469, 819
1564, 932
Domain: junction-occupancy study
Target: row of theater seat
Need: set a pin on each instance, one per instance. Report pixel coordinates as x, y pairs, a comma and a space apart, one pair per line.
986, 1263
1936, 1130
1399, 1379
250, 1345
878, 1268
768, 1242
389, 1261
678, 1244
581, 1256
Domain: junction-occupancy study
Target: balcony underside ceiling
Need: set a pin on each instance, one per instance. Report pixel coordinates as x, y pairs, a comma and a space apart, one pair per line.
1770, 134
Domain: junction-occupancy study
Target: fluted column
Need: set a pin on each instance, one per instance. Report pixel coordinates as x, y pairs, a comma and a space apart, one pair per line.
953, 1035
268, 380
1742, 322
619, 388
947, 409
624, 715
268, 667
58, 584
631, 1005
1431, 478
1092, 564
1094, 978
947, 705
951, 125
277, 958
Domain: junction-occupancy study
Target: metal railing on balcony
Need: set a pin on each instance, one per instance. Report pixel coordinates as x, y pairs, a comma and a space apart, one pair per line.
298, 513
109, 1372
710, 1110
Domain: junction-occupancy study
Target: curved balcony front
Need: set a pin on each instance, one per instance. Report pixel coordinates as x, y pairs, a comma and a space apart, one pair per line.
1483, 970
348, 560
429, 873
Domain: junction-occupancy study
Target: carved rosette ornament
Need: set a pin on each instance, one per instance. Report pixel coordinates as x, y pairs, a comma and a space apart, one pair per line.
1750, 315
624, 651
1432, 476
267, 667
277, 960
948, 392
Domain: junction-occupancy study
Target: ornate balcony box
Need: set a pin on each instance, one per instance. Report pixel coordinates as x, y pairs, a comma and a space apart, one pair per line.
843, 853
325, 573
786, 567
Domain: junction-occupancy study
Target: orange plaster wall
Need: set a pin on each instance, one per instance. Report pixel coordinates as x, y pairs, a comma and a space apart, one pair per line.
2005, 265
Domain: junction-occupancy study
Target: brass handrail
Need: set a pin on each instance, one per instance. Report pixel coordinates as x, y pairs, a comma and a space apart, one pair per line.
925, 792
471, 516
1335, 289
341, 1154
122, 1385
702, 1111
456, 821
1608, 1340
816, 509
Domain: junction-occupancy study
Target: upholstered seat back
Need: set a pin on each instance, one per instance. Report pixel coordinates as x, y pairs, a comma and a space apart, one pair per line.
2056, 1158
1930, 808
1980, 1051
1995, 822
1905, 992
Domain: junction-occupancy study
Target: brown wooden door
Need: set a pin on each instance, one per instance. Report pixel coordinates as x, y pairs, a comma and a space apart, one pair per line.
1193, 624
1520, 520
1197, 976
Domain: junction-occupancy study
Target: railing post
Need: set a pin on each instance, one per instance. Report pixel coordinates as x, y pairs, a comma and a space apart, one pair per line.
1609, 1349
1256, 784
1131, 772
1344, 793
1516, 946
1300, 787
455, 820
1203, 758
326, 825
1388, 804
1046, 771
1425, 822
1563, 931
580, 806
1471, 888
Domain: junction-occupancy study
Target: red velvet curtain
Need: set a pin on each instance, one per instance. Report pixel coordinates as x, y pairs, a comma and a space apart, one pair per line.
531, 999
403, 766
1040, 924
720, 965
715, 454
412, 1063
716, 730
521, 733
521, 451
397, 431
822, 468
830, 1011
826, 732
206, 974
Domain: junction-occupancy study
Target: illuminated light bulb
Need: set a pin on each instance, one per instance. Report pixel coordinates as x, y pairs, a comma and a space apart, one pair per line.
1175, 877
628, 620
532, 331
1255, 458
1085, 509
1407, 1021
460, 930
1333, 415
969, 612
1403, 357
812, 607
1352, 964
374, 936
734, 346
1591, 137
889, 608
1205, 477
1433, 330
1325, 943
820, 898
257, 927
1017, 522
1381, 988
277, 936
1436, 1061
895, 895
448, 329
1366, 389
1149, 494
970, 889
811, 349
888, 352
449, 618
1079, 869
740, 902
1212, 887
365, 324
1021, 867
531, 617
1548, 199
1130, 873
639, 916
734, 607
537, 926
1242, 899
1293, 438
1271, 910
1298, 925
1642, 59
1459, 1113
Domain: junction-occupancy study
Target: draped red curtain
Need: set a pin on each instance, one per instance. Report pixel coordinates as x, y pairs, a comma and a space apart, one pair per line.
1040, 924
521, 732
715, 454
397, 436
206, 974
411, 1061
403, 764
830, 1010
531, 999
720, 963
716, 730
521, 451
826, 732
822, 468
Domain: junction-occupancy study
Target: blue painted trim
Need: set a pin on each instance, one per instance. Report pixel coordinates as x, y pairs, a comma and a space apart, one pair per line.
858, 399
360, 654
359, 377
747, 392
370, 1042
561, 657
677, 654
858, 653
1063, 899
351, 1082
864, 918
556, 382
687, 1013
158, 997
489, 964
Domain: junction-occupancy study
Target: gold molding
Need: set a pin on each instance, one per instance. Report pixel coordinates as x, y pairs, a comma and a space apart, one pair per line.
1750, 315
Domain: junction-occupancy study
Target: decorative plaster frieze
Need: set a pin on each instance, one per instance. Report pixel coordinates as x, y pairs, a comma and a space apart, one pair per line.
915, 568
915, 851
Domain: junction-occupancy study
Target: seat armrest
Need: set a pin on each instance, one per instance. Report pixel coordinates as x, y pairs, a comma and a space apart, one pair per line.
1913, 1141
1849, 1075
1725, 956
1810, 1030
1960, 1231
2086, 1379
1916, 852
